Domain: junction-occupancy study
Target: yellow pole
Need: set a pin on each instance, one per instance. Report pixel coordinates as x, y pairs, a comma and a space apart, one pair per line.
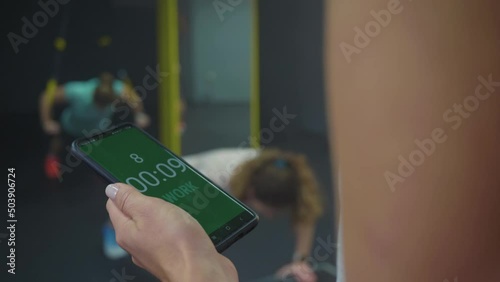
169, 88
255, 79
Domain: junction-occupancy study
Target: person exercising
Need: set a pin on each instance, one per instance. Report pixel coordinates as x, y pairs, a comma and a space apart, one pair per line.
441, 223
90, 108
271, 181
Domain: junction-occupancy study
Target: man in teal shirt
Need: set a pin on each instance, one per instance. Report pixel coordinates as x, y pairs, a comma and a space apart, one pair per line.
90, 108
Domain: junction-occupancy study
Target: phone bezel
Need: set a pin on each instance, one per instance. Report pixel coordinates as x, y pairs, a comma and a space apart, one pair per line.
224, 243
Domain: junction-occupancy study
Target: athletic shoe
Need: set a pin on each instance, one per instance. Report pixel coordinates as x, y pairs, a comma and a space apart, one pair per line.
52, 166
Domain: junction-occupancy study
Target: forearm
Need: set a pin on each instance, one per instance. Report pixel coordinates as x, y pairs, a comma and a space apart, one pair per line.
130, 97
304, 236
138, 107
45, 107
200, 268
439, 221
220, 269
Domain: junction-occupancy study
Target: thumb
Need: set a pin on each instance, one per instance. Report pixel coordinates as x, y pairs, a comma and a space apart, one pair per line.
127, 199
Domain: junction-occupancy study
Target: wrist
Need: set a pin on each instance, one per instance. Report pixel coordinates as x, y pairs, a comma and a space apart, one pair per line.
198, 267
299, 257
217, 268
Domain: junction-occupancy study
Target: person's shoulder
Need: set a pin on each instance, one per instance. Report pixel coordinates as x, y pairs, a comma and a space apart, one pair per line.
118, 86
243, 151
239, 154
93, 80
75, 88
224, 154
252, 152
118, 82
82, 83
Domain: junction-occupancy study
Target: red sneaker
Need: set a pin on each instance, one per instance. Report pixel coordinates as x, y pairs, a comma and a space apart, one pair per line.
52, 167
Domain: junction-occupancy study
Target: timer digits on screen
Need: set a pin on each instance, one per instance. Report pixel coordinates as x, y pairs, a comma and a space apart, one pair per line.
146, 179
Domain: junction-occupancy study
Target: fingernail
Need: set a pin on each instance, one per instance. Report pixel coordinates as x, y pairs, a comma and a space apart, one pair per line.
111, 191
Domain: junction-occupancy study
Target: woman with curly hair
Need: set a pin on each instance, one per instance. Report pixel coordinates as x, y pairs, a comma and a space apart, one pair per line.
270, 181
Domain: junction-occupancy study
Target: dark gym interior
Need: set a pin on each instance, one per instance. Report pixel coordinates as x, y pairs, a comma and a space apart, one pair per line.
59, 223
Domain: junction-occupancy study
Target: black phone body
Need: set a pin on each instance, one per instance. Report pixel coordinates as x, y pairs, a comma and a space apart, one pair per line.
130, 155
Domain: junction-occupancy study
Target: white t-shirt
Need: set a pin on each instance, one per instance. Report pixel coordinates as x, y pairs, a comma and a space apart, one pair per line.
219, 164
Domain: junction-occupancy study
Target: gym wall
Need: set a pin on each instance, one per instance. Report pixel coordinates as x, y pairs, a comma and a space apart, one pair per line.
220, 52
132, 26
291, 63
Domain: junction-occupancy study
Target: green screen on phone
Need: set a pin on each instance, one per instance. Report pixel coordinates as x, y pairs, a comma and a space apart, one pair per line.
134, 158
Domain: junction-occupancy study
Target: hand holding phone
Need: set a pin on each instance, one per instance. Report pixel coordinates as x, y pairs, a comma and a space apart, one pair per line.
168, 251
128, 154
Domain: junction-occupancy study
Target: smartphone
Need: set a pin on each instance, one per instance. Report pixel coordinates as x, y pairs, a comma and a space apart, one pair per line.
130, 155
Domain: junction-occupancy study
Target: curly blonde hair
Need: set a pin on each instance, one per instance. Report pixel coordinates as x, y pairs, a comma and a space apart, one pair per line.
281, 180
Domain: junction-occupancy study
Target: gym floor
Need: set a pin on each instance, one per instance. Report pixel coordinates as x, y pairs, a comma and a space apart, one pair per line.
58, 235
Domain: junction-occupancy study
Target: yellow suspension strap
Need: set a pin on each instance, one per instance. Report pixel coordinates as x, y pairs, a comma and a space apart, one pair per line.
51, 86
60, 45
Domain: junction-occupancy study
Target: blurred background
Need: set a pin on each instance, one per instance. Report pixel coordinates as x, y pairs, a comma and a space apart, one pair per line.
234, 65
